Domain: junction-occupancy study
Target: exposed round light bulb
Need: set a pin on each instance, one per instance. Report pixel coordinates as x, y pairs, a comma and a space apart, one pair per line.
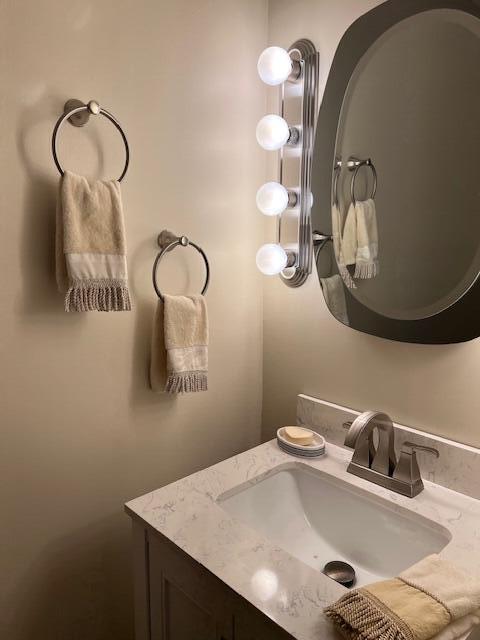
272, 132
274, 65
271, 259
272, 198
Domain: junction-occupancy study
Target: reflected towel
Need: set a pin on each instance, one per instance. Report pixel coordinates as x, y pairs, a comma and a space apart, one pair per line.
334, 294
179, 359
91, 265
360, 239
432, 599
338, 247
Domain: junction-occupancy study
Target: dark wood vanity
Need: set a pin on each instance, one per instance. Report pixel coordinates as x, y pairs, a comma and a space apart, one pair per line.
176, 598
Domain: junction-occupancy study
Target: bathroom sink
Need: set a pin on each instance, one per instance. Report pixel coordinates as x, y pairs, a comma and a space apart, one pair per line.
318, 518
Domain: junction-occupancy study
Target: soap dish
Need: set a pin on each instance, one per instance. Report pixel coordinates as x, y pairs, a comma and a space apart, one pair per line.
314, 450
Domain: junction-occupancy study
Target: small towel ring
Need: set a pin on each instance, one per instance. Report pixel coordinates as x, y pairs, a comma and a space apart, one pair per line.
355, 166
168, 241
78, 114
336, 174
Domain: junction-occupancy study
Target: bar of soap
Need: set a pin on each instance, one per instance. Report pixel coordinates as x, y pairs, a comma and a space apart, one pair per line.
298, 435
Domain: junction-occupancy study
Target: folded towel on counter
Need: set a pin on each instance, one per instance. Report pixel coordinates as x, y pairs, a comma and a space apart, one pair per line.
179, 360
91, 265
334, 294
432, 599
337, 247
360, 239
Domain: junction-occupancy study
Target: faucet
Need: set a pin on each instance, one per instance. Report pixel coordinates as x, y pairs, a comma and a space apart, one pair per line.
379, 463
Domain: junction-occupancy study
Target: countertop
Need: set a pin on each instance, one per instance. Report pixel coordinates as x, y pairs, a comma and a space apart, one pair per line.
186, 512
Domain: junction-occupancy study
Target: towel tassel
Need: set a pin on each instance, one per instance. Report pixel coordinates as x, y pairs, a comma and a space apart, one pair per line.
366, 270
186, 382
358, 617
98, 296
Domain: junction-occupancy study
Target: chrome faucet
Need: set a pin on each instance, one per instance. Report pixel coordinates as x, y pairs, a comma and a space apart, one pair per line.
379, 464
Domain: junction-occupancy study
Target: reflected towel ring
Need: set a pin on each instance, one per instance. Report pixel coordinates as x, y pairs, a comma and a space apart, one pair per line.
78, 114
168, 241
355, 165
336, 174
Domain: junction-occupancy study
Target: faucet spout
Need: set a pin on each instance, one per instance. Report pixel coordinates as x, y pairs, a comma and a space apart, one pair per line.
360, 438
379, 465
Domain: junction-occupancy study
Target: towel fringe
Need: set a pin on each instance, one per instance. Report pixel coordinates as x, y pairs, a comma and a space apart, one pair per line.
346, 277
365, 270
186, 382
98, 295
358, 617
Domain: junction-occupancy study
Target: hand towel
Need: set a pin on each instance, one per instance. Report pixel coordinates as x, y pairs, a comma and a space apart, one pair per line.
338, 247
158, 354
179, 360
91, 265
334, 294
432, 599
360, 239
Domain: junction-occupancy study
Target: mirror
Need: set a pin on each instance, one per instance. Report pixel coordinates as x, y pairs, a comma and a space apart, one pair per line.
401, 106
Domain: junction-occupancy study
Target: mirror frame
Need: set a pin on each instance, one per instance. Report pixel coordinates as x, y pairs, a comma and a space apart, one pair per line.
457, 323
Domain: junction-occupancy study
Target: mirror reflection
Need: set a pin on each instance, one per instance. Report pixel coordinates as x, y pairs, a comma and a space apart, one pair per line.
405, 186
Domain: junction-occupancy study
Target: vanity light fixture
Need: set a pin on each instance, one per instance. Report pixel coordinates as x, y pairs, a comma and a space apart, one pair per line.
272, 259
278, 67
275, 65
273, 133
273, 198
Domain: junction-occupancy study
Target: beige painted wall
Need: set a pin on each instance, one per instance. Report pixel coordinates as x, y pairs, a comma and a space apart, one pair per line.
81, 433
306, 350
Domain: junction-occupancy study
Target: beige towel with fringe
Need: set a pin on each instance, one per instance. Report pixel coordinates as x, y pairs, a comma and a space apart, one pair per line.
91, 265
360, 239
337, 247
179, 358
432, 599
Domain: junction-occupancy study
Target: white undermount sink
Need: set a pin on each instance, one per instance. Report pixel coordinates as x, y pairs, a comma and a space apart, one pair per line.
317, 518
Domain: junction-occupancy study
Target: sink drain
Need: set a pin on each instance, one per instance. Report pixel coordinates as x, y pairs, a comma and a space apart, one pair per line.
341, 572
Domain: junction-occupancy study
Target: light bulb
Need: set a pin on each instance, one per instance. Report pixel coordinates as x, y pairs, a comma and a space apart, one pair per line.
272, 198
271, 259
274, 65
272, 132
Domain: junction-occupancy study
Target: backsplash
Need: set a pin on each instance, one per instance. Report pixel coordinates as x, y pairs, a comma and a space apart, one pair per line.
458, 467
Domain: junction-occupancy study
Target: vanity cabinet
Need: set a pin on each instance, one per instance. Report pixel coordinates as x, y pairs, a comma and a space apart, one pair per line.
178, 599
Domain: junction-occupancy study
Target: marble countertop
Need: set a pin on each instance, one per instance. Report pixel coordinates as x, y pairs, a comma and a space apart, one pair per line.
187, 513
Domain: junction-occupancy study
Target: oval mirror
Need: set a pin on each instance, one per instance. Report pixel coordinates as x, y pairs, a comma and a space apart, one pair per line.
395, 176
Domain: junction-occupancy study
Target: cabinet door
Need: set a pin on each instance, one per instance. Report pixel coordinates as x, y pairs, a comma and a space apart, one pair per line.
250, 624
182, 618
186, 601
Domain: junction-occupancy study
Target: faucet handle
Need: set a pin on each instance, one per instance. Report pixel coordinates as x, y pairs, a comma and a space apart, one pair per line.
407, 469
419, 447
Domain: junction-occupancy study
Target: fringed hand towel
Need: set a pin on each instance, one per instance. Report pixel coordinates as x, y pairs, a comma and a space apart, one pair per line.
158, 354
360, 239
338, 247
432, 599
179, 359
91, 265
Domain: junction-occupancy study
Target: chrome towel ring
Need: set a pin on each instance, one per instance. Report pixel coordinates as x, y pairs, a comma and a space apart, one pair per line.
167, 241
336, 174
355, 165
78, 114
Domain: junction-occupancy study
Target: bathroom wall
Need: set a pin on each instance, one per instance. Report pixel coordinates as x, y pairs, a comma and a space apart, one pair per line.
434, 388
81, 433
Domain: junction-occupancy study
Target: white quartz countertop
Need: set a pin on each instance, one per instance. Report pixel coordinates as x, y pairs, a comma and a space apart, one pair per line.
187, 513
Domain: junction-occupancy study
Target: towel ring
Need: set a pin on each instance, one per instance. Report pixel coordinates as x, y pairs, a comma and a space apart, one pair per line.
355, 165
78, 114
168, 241
336, 174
